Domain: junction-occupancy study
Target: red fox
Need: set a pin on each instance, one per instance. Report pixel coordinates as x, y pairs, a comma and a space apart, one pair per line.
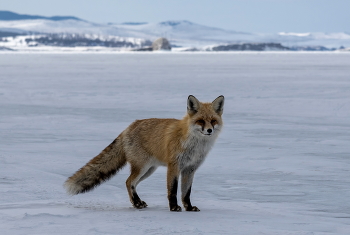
181, 145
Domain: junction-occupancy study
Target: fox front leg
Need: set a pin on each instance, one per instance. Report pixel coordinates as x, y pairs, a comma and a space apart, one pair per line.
186, 185
172, 184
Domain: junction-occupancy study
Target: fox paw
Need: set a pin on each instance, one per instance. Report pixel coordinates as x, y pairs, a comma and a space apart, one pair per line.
140, 205
175, 208
192, 208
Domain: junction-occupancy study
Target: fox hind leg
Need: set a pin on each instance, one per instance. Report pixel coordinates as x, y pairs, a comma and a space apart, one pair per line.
136, 176
147, 174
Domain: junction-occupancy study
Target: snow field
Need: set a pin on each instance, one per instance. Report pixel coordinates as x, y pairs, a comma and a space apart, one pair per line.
280, 166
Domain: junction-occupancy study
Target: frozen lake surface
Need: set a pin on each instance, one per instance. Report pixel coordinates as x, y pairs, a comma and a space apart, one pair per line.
280, 166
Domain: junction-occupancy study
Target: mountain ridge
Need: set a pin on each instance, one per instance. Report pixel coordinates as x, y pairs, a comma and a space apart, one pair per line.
180, 33
9, 15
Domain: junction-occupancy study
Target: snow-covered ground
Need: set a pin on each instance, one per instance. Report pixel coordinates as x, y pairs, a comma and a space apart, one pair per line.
280, 166
72, 43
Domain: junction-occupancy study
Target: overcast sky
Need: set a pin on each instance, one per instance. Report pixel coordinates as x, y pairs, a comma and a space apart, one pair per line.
266, 16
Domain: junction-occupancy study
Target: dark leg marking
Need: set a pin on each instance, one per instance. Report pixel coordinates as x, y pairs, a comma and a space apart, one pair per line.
187, 202
173, 196
136, 201
186, 199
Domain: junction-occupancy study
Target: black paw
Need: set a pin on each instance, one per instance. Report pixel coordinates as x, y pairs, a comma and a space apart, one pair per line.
175, 208
192, 208
140, 204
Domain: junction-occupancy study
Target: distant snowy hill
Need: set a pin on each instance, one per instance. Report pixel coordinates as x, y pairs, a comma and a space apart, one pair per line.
178, 32
183, 33
330, 40
8, 15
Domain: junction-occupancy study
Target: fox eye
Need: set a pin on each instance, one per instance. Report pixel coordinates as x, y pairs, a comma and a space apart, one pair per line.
200, 122
214, 122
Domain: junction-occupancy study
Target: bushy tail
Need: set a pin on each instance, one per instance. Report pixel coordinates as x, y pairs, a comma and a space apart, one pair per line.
97, 170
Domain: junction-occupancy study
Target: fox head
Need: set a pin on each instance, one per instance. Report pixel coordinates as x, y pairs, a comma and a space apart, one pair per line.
205, 118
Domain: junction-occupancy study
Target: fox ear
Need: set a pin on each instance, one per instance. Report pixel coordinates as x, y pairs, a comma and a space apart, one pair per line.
218, 104
192, 105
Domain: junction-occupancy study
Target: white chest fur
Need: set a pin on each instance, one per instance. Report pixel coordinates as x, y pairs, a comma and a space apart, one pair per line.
196, 149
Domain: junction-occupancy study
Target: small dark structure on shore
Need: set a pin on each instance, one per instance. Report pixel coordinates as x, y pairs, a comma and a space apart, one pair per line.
159, 44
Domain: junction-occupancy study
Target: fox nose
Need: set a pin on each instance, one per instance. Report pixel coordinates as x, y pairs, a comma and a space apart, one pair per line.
209, 131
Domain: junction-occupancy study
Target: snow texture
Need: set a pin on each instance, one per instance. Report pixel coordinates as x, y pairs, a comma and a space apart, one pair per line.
71, 42
280, 166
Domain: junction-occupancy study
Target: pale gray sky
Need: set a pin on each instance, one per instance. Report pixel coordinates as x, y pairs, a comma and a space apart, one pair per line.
267, 16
